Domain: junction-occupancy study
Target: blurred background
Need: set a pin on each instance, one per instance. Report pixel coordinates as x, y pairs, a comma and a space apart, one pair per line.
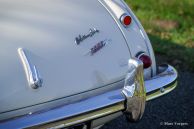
170, 27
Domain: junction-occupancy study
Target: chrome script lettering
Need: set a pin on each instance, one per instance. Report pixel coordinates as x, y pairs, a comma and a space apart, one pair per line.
80, 38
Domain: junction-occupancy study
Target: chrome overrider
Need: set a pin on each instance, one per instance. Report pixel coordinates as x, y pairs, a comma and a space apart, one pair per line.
134, 90
130, 100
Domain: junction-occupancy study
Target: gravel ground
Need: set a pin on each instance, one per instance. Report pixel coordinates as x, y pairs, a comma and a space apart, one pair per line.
174, 110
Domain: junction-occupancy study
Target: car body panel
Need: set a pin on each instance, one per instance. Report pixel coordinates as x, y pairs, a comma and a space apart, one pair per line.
49, 43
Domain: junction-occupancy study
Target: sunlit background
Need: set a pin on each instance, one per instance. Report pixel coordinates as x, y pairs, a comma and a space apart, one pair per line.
170, 26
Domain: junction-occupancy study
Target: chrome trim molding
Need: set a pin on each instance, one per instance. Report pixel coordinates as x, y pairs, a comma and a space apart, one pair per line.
144, 34
130, 100
33, 76
105, 5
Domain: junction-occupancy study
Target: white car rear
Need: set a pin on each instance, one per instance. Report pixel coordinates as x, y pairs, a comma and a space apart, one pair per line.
63, 52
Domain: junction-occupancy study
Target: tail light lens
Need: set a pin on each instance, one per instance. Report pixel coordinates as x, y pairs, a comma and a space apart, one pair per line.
126, 20
147, 62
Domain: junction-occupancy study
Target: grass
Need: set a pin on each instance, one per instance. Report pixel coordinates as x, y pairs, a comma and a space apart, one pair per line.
170, 26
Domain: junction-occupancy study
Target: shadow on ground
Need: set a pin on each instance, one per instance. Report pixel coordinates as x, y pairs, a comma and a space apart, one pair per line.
168, 52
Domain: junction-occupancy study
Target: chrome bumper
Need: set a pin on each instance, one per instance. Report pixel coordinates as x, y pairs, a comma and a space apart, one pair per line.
131, 100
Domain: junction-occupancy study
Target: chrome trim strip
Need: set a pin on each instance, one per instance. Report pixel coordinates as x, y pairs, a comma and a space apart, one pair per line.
32, 74
102, 2
144, 34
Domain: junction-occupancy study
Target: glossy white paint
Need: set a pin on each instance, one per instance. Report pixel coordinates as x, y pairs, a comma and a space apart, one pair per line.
47, 32
47, 29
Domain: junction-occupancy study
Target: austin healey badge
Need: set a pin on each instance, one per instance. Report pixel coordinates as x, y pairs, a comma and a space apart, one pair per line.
80, 38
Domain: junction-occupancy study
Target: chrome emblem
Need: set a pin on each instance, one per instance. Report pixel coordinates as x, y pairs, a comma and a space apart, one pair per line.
98, 46
80, 38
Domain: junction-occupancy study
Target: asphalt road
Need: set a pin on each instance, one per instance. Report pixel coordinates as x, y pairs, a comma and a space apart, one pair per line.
174, 110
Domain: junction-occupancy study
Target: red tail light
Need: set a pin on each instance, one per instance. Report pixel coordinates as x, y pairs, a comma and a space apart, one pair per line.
147, 62
126, 20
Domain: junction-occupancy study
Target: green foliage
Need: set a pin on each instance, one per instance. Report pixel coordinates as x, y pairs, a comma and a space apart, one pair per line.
170, 26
